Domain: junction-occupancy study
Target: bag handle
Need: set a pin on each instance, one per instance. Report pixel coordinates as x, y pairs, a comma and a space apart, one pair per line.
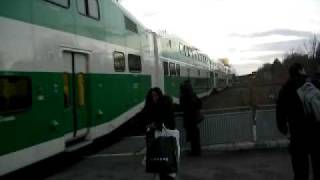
165, 129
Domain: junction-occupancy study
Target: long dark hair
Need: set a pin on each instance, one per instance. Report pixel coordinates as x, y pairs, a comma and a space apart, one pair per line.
149, 101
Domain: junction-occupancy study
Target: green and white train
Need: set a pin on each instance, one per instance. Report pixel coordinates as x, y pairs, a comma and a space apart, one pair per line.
74, 70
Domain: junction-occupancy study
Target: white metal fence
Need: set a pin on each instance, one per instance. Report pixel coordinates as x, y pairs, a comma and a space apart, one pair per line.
235, 126
266, 126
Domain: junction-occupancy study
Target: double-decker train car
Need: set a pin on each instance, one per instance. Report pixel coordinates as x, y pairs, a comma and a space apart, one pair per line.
74, 70
180, 62
220, 76
230, 76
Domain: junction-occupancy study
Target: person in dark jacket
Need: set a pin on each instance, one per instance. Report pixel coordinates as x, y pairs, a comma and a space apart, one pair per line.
151, 110
316, 77
158, 112
167, 112
190, 105
166, 119
291, 119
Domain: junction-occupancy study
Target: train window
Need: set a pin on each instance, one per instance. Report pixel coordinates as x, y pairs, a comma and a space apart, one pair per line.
130, 25
62, 3
170, 43
89, 8
172, 68
165, 68
15, 93
119, 61
178, 69
134, 63
81, 7
93, 9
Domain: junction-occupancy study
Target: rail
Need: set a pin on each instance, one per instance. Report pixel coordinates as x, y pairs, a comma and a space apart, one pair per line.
236, 125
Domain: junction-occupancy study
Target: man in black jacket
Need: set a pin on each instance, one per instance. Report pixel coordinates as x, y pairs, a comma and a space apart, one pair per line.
190, 105
303, 134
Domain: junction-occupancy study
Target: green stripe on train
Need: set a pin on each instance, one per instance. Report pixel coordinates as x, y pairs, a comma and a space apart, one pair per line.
112, 94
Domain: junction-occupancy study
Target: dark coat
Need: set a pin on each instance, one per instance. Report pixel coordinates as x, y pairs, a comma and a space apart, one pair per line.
158, 113
190, 105
167, 112
150, 114
316, 80
290, 113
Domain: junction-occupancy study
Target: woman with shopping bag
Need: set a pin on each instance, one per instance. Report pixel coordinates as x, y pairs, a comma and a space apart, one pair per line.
162, 139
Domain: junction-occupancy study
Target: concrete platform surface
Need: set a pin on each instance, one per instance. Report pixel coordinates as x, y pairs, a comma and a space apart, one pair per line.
128, 145
269, 164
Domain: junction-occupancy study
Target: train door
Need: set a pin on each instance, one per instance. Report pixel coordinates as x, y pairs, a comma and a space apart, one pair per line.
75, 94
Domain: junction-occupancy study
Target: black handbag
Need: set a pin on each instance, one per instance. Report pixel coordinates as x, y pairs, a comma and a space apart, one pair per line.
161, 155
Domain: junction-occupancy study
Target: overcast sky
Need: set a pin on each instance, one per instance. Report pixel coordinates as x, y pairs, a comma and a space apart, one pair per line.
248, 32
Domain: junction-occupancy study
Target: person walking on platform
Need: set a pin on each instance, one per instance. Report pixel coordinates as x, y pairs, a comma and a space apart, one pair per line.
151, 109
190, 105
166, 127
292, 119
162, 125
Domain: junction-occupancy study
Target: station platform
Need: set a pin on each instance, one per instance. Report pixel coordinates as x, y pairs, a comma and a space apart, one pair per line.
122, 161
237, 143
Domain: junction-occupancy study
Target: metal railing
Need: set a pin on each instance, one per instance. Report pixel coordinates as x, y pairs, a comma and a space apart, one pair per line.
235, 125
266, 126
226, 128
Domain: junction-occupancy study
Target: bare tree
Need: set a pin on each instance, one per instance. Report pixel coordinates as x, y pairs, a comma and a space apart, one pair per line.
317, 53
312, 46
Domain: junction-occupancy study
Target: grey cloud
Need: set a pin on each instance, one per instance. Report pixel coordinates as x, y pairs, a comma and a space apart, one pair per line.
267, 58
252, 65
314, 21
280, 46
284, 32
